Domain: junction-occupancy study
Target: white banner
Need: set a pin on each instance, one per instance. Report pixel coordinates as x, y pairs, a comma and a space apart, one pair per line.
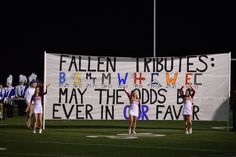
91, 87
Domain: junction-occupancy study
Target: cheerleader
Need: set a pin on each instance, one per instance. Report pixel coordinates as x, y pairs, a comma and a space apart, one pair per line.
134, 110
38, 107
187, 108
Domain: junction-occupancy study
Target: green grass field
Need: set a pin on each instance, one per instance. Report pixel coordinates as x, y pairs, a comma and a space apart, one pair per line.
110, 139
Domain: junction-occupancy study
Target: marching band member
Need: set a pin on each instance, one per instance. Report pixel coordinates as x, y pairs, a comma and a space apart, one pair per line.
28, 96
2, 113
8, 96
20, 95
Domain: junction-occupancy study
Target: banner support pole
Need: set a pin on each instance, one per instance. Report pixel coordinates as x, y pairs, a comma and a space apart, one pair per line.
154, 29
45, 81
229, 90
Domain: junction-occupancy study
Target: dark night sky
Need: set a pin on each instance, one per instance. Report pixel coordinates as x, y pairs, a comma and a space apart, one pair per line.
111, 28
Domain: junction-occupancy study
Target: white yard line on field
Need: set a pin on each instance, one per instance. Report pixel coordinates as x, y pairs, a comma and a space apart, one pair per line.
3, 149
41, 155
121, 146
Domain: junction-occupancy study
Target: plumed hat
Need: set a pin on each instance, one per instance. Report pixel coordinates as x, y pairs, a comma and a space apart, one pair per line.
32, 78
9, 80
22, 78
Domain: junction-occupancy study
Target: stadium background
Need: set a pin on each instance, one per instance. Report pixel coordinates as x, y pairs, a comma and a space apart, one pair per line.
107, 28
113, 28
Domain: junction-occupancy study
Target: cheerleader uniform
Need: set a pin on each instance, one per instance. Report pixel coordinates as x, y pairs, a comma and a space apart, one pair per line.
38, 104
38, 107
134, 108
187, 107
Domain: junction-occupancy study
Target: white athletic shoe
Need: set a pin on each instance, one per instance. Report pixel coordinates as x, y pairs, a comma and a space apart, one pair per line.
134, 132
34, 132
190, 131
186, 131
129, 131
40, 131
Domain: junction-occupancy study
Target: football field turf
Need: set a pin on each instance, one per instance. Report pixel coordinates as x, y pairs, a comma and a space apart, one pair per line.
94, 138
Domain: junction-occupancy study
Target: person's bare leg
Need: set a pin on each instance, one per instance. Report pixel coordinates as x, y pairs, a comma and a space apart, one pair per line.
30, 116
35, 122
190, 124
40, 122
130, 123
186, 124
134, 124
